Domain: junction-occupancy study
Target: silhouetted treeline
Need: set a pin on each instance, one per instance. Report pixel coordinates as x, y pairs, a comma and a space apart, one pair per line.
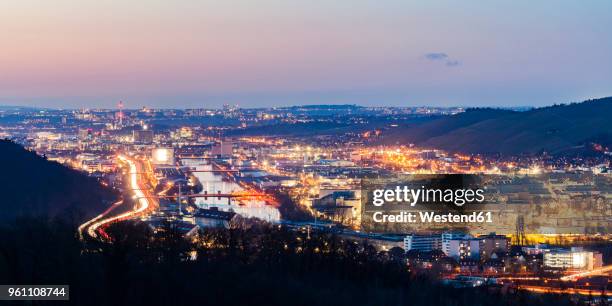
33, 186
289, 209
260, 265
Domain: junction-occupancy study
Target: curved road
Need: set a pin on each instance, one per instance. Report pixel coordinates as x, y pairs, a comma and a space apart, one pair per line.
143, 202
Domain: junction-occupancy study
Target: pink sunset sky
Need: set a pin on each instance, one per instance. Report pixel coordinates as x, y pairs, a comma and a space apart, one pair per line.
264, 53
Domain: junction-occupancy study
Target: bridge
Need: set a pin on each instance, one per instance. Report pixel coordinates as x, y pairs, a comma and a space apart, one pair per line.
215, 195
194, 157
213, 170
193, 169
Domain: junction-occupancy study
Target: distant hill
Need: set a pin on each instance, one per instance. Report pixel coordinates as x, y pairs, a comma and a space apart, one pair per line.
30, 185
15, 107
555, 129
294, 129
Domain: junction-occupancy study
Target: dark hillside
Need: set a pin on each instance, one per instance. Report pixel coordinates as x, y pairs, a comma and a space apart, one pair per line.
553, 129
33, 186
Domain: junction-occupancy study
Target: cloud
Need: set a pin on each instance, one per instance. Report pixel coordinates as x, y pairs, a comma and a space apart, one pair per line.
442, 57
436, 56
452, 63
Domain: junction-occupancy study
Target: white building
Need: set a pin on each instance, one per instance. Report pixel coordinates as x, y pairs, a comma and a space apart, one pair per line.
426, 243
447, 237
463, 248
574, 259
422, 242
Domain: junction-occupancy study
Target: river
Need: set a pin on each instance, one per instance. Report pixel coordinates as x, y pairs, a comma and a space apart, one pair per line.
214, 182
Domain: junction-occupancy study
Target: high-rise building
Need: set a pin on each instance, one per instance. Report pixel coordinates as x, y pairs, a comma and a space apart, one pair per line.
447, 237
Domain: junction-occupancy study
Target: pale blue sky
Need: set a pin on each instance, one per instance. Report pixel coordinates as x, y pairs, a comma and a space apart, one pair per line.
70, 53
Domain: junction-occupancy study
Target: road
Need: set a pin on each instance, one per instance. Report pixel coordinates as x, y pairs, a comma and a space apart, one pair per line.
91, 230
598, 271
541, 289
144, 202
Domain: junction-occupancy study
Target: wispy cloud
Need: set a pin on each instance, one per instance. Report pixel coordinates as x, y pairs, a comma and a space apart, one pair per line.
452, 63
442, 57
436, 56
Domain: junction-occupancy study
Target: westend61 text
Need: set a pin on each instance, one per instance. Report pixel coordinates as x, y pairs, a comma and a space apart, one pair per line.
433, 217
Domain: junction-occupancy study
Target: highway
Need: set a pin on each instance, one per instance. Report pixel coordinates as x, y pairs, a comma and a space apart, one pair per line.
147, 201
541, 289
142, 197
87, 226
598, 271
568, 279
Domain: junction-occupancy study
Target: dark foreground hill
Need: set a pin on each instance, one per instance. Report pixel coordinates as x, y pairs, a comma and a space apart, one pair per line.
30, 185
555, 129
261, 265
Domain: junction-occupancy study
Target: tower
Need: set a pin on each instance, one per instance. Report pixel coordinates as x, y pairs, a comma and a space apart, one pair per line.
120, 106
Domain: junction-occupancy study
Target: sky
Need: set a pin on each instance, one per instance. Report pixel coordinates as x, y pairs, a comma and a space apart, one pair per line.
200, 53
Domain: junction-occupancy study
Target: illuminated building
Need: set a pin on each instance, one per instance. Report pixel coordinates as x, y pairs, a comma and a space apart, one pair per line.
163, 156
575, 258
492, 243
48, 136
464, 248
536, 249
339, 205
447, 237
186, 132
